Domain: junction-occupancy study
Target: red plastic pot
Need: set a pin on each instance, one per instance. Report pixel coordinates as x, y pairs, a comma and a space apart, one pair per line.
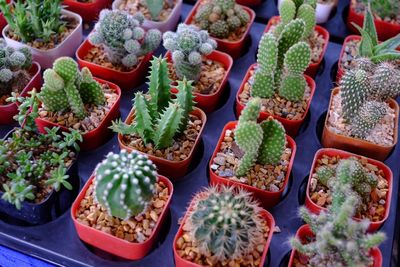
3, 21
331, 152
313, 67
266, 198
249, 2
234, 49
340, 70
291, 126
113, 244
125, 79
181, 262
305, 232
98, 136
209, 102
8, 111
88, 11
172, 169
385, 30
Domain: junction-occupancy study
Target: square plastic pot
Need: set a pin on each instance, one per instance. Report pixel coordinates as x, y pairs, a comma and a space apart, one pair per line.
172, 169
167, 25
234, 49
355, 145
111, 243
97, 136
331, 152
341, 71
266, 198
46, 57
88, 11
8, 111
292, 127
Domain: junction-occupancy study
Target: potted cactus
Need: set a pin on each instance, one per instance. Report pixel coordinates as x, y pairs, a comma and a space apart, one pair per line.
278, 78
227, 22
159, 14
73, 99
166, 129
44, 27
18, 74
34, 167
118, 49
362, 115
88, 9
123, 205
316, 36
191, 52
370, 181
223, 226
256, 156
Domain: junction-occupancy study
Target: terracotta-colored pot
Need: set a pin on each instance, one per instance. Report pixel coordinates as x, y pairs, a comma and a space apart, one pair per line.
3, 21
181, 262
291, 126
209, 102
313, 67
169, 168
234, 49
341, 71
331, 152
385, 30
8, 111
111, 243
359, 146
97, 136
249, 2
125, 79
305, 232
88, 11
266, 198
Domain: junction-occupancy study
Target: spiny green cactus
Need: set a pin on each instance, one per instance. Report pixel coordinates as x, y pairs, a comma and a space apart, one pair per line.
123, 37
124, 183
187, 46
263, 142
367, 117
65, 87
225, 224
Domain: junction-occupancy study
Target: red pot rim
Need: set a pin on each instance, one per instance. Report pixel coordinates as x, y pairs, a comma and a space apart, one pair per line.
346, 40
93, 4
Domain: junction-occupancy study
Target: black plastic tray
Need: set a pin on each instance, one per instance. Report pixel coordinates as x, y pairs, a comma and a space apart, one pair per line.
58, 243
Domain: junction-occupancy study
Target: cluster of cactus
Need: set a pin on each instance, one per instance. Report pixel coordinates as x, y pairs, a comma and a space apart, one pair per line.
261, 142
187, 46
34, 19
124, 183
221, 17
158, 118
281, 63
66, 88
123, 38
384, 8
225, 224
364, 91
14, 64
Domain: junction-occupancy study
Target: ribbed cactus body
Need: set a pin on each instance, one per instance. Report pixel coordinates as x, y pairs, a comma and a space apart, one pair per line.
367, 118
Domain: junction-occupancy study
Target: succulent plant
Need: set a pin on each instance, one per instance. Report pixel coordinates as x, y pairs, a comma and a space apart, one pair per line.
221, 17
261, 142
188, 45
225, 224
124, 183
384, 8
369, 115
123, 38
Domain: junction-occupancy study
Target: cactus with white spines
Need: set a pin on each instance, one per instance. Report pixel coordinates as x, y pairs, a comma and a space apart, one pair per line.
369, 115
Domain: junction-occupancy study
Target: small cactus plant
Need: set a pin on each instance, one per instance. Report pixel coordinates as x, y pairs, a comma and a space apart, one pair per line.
124, 183
261, 142
123, 38
66, 88
225, 224
188, 45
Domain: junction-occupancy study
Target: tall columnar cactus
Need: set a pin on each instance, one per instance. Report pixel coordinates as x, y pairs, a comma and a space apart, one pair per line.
124, 183
188, 45
225, 224
261, 142
123, 38
65, 87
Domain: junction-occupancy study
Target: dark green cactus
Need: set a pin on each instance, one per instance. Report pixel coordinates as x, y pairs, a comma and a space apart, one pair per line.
369, 115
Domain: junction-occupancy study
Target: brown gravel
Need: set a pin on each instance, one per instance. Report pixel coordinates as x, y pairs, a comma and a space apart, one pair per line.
212, 74
136, 230
374, 210
18, 84
95, 114
134, 6
360, 7
265, 177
